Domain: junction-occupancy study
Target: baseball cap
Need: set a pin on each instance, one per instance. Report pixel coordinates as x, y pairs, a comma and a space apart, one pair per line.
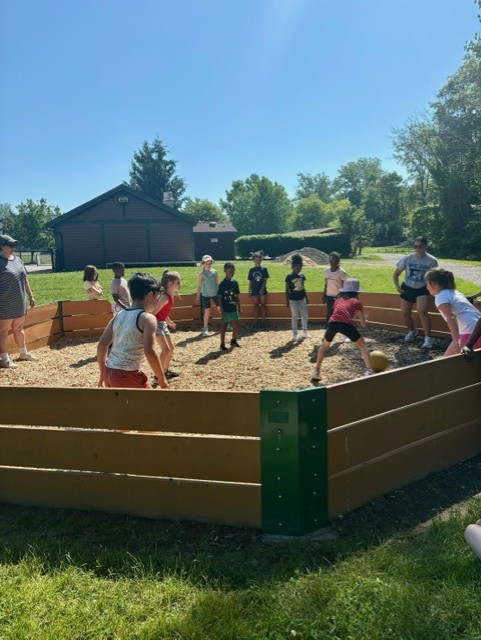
6, 239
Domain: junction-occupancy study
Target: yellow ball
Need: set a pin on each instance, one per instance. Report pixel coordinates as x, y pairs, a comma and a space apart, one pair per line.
379, 361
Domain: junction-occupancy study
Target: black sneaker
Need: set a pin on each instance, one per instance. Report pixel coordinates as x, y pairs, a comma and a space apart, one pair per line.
171, 374
234, 343
223, 347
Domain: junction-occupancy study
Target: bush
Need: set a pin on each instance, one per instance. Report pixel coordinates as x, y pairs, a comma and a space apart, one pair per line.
278, 244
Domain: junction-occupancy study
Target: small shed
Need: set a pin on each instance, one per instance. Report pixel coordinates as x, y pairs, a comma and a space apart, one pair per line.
122, 224
215, 239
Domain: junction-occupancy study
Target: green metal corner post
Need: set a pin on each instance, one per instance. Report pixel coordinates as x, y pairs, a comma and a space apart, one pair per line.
294, 461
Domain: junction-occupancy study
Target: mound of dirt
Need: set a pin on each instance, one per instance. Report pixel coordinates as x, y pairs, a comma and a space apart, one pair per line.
311, 257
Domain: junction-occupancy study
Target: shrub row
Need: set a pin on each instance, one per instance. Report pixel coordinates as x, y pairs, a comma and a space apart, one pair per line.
277, 244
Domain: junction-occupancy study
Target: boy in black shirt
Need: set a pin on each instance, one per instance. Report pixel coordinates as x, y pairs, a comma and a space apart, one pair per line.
228, 293
257, 278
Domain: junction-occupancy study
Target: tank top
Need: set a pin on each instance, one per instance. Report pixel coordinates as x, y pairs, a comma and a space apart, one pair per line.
164, 312
127, 350
209, 287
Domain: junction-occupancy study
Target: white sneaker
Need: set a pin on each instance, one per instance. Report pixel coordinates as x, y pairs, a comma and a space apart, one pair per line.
295, 338
28, 356
346, 339
306, 335
8, 364
410, 336
428, 343
369, 372
315, 375
205, 332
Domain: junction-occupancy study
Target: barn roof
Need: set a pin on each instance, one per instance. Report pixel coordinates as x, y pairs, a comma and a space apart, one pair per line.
122, 188
214, 227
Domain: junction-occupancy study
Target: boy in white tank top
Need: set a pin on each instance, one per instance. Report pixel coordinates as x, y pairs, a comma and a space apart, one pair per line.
131, 335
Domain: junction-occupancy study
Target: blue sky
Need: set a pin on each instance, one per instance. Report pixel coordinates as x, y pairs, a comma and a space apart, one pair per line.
232, 87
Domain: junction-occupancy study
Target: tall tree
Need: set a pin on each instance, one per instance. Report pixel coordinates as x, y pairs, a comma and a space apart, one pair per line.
29, 224
312, 213
257, 205
203, 209
354, 178
153, 173
309, 185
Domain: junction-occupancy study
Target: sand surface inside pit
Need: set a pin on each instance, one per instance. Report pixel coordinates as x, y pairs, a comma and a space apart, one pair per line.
267, 359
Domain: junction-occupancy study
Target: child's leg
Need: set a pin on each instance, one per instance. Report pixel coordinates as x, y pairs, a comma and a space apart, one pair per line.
321, 354
167, 350
256, 308
223, 330
263, 308
235, 330
364, 352
206, 317
294, 315
303, 312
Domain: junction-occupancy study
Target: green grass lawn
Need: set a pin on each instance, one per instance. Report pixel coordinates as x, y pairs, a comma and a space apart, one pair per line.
50, 287
77, 576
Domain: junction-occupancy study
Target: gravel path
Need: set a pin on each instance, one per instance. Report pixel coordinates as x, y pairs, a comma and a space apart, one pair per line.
471, 274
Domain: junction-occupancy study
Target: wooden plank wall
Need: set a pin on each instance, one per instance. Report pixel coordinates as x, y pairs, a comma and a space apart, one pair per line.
395, 428
42, 327
156, 454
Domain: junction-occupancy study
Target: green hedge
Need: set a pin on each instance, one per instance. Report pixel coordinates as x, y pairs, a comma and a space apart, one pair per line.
277, 244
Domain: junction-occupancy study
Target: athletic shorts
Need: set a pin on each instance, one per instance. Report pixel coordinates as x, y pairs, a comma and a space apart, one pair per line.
127, 379
348, 330
206, 300
410, 294
230, 316
162, 328
258, 294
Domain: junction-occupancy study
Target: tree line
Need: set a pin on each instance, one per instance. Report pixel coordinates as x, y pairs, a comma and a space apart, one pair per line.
440, 198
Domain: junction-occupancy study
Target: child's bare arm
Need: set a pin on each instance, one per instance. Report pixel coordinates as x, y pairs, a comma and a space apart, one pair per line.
102, 350
199, 288
161, 303
148, 324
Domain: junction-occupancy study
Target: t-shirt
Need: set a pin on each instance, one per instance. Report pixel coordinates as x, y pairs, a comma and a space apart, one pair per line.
228, 292
209, 286
416, 269
466, 315
13, 288
120, 287
345, 309
334, 281
295, 286
258, 277
88, 284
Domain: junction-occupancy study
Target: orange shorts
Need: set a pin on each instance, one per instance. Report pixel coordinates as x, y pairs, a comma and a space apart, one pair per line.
127, 379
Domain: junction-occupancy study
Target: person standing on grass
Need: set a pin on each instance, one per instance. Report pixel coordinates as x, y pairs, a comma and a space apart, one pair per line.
170, 283
230, 305
207, 285
91, 283
334, 279
413, 290
14, 291
460, 315
131, 335
296, 297
346, 308
119, 289
257, 278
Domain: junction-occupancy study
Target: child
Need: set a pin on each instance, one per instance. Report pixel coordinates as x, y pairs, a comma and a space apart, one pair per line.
229, 295
91, 283
207, 285
460, 315
170, 284
132, 336
334, 280
257, 278
119, 289
296, 297
346, 308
